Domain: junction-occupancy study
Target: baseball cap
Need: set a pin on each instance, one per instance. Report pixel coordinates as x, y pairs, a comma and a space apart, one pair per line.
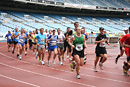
101, 28
125, 28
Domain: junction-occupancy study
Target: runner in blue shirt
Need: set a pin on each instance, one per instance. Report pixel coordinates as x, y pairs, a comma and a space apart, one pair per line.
52, 46
40, 40
9, 40
26, 41
16, 39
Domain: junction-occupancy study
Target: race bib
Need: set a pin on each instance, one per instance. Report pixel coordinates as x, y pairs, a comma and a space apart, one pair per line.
9, 37
53, 43
79, 47
102, 44
21, 40
42, 40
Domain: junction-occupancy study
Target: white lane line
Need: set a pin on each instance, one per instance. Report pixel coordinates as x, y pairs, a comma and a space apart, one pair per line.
3, 46
66, 70
18, 80
46, 75
92, 69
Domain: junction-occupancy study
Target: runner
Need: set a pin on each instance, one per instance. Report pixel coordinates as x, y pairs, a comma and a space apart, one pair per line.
9, 40
16, 39
46, 33
70, 34
126, 65
78, 49
60, 45
50, 33
66, 45
30, 40
52, 46
40, 40
34, 43
100, 48
121, 50
124, 43
86, 38
22, 39
26, 41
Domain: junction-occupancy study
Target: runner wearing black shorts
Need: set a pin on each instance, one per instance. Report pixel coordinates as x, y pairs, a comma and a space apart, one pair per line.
100, 50
78, 45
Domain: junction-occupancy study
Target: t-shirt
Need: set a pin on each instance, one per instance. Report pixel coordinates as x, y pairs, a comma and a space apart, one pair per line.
124, 38
61, 37
85, 35
41, 38
53, 40
8, 37
17, 38
100, 37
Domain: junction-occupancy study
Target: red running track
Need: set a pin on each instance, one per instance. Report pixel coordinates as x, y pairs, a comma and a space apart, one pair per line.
28, 72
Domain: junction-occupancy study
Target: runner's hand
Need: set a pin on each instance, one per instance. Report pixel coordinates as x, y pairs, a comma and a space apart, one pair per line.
72, 46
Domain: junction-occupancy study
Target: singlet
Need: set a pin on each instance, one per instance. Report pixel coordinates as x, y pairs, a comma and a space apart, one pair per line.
78, 42
21, 38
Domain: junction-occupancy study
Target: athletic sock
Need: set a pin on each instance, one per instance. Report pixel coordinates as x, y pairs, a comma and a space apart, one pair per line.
118, 57
101, 59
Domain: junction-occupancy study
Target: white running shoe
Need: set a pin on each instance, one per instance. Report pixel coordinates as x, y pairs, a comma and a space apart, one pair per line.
95, 69
48, 63
42, 63
61, 63
33, 53
78, 76
20, 57
25, 53
67, 56
101, 66
46, 51
53, 61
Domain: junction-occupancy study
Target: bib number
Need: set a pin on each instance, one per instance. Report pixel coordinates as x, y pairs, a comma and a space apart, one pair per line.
79, 47
9, 37
102, 44
53, 43
21, 40
42, 40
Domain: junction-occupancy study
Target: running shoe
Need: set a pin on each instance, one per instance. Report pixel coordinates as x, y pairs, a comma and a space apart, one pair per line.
67, 56
95, 69
78, 76
13, 52
17, 55
33, 53
70, 59
42, 63
84, 62
40, 60
20, 57
48, 64
61, 63
8, 50
85, 58
116, 60
125, 72
36, 56
63, 58
101, 66
25, 53
53, 61
72, 65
